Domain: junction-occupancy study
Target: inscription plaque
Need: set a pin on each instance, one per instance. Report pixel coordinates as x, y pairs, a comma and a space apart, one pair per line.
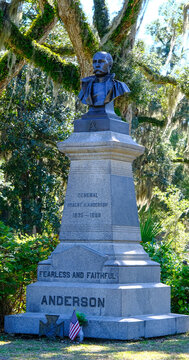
89, 276
85, 205
73, 301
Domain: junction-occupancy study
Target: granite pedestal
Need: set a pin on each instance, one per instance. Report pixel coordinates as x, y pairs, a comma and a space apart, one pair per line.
100, 267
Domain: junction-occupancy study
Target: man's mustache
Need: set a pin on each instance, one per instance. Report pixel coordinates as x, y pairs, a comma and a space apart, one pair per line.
94, 71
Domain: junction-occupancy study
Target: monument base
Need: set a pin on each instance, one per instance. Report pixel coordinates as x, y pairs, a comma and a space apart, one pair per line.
104, 327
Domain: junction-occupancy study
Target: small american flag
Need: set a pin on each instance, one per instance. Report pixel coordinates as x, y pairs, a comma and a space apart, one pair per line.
74, 326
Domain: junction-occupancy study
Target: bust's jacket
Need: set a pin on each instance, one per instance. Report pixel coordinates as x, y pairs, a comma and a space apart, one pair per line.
114, 88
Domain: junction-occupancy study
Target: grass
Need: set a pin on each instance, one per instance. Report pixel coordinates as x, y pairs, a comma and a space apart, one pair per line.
34, 348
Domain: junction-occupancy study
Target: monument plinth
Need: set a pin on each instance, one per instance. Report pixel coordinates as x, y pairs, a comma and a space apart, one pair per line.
100, 267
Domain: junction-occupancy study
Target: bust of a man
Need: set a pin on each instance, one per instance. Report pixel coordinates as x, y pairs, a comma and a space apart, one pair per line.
101, 88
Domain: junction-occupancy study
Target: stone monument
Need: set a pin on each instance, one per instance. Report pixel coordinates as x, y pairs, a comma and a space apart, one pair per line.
100, 267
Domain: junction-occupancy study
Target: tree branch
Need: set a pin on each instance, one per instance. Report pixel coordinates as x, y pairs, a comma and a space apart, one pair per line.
59, 70
101, 18
84, 41
43, 24
181, 160
39, 30
172, 44
67, 50
122, 24
151, 120
185, 18
155, 77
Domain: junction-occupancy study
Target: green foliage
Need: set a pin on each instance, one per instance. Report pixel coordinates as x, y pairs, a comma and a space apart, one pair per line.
173, 272
58, 37
154, 167
4, 70
125, 70
167, 32
183, 80
173, 215
46, 60
165, 60
60, 71
34, 171
42, 20
1, 19
101, 17
61, 50
151, 120
19, 256
149, 226
81, 318
20, 42
165, 238
157, 167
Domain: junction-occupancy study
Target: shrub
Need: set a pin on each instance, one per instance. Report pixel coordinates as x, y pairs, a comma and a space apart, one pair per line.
81, 318
164, 237
19, 256
174, 272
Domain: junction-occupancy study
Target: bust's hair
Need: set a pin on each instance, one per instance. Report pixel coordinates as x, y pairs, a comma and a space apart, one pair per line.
108, 56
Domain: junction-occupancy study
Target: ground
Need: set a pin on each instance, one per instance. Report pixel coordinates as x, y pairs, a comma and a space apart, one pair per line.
34, 348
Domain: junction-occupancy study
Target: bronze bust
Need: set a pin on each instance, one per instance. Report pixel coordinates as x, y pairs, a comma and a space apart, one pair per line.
101, 88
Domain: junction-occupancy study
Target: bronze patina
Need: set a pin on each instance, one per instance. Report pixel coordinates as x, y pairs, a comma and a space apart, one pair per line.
101, 88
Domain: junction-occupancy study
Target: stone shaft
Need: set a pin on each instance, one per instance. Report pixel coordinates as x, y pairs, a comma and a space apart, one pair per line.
100, 207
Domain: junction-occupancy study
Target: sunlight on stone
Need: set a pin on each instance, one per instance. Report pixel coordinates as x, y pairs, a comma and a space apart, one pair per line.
130, 319
114, 138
